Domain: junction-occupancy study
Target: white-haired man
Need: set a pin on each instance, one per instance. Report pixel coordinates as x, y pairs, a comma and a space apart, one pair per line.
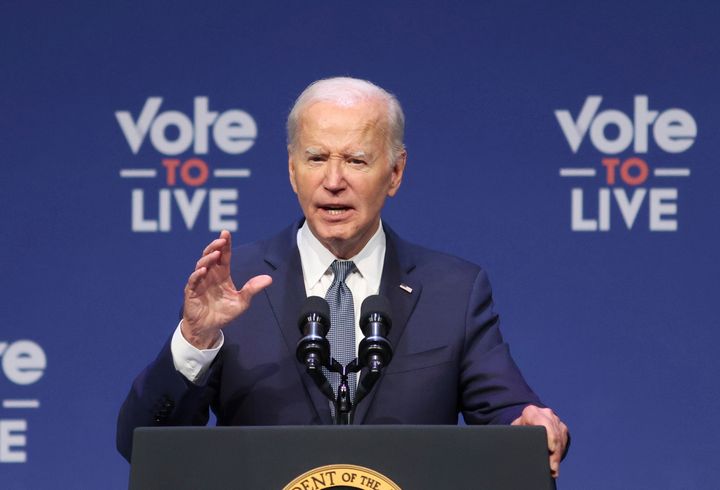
234, 350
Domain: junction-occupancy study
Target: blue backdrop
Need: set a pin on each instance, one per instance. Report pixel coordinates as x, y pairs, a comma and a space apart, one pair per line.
512, 109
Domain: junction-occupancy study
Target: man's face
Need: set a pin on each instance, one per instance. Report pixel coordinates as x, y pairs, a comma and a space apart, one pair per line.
340, 171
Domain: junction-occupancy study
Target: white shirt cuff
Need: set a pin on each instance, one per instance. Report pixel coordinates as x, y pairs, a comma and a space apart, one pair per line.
191, 362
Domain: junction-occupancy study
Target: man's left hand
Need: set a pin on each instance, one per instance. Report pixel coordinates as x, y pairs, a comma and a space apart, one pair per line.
557, 432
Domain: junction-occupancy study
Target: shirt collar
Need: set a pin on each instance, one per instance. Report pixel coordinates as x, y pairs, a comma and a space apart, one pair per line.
316, 259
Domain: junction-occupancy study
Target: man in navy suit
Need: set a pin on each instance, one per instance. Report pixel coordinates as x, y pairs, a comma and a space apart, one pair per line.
234, 350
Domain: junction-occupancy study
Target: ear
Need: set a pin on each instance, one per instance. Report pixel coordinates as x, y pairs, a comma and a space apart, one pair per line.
397, 173
291, 170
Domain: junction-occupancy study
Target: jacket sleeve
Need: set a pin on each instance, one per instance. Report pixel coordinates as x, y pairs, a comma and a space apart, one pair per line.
161, 396
492, 389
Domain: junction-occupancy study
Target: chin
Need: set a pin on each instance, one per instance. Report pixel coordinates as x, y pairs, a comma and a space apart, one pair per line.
334, 231
337, 240
334, 237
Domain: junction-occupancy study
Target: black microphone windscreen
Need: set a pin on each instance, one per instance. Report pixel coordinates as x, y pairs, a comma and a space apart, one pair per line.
315, 304
375, 304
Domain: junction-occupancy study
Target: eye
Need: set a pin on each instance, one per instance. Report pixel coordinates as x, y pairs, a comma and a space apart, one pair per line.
357, 161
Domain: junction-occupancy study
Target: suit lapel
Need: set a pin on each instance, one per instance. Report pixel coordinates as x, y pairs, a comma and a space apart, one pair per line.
286, 297
397, 267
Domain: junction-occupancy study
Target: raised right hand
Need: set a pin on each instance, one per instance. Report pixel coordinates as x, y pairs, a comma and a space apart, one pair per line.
211, 299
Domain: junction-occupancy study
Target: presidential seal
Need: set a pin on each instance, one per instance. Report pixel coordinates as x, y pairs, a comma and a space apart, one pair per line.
340, 477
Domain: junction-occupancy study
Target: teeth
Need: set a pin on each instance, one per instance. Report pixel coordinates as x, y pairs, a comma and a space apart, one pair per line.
335, 211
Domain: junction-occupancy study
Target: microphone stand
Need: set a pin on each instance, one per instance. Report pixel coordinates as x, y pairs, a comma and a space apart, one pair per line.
344, 409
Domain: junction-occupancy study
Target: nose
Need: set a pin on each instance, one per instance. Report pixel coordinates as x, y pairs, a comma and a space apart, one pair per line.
334, 175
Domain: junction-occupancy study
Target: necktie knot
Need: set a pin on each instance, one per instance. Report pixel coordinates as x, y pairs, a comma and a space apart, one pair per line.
341, 269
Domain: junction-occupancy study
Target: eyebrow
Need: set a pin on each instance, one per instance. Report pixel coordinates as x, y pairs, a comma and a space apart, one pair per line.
314, 151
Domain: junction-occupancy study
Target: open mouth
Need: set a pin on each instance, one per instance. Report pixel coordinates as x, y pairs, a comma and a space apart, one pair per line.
335, 210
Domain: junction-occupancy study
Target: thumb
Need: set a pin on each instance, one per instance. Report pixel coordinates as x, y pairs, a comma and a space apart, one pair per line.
254, 286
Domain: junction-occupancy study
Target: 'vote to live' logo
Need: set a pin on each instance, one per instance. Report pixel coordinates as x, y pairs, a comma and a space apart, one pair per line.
22, 364
626, 179
185, 180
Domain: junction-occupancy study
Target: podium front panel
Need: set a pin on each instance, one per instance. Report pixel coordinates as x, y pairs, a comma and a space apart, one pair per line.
411, 457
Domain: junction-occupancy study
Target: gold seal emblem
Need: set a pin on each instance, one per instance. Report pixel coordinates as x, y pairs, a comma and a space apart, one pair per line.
339, 476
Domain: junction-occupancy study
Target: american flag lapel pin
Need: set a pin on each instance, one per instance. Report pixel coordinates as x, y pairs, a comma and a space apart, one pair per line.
406, 288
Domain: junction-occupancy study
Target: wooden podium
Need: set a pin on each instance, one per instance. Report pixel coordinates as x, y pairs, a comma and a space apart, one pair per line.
331, 457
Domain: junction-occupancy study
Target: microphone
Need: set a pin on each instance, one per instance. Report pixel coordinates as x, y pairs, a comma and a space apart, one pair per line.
375, 351
313, 349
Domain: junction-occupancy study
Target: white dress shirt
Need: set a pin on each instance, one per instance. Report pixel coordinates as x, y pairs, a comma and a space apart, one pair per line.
364, 281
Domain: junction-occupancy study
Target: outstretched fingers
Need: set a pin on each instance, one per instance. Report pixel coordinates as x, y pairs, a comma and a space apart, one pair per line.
208, 260
226, 249
215, 253
222, 244
195, 279
221, 241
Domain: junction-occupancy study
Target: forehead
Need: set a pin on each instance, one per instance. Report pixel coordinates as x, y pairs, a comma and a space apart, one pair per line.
329, 124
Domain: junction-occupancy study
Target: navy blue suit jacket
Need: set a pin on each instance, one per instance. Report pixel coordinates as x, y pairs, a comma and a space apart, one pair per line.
449, 355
